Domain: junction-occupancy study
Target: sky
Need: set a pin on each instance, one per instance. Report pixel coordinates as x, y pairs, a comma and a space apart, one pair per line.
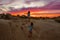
25, 3
47, 6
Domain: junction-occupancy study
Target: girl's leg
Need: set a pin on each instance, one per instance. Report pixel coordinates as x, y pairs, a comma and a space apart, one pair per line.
30, 35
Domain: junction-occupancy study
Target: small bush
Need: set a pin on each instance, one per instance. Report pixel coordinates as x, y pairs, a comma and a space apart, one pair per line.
57, 21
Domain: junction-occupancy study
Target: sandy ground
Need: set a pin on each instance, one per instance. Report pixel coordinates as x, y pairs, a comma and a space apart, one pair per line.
42, 30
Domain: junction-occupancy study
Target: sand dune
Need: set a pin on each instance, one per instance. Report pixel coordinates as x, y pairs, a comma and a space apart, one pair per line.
43, 30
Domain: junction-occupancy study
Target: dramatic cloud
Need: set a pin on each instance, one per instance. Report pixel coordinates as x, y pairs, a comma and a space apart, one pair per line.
50, 11
25, 3
18, 4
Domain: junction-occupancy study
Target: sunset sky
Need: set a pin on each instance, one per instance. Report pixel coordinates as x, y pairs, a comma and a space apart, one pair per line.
44, 8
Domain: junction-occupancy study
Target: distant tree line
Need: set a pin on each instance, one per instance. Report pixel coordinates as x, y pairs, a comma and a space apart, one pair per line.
8, 16
5, 16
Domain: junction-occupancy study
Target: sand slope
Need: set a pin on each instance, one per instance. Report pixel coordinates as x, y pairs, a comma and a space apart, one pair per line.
43, 30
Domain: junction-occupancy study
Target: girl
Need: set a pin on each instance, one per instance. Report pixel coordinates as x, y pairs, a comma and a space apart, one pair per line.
30, 30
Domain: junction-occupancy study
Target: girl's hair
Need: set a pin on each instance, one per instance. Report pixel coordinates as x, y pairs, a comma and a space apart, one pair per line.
32, 23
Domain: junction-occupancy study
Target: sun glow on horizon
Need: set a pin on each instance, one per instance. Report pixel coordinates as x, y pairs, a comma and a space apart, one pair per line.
44, 13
